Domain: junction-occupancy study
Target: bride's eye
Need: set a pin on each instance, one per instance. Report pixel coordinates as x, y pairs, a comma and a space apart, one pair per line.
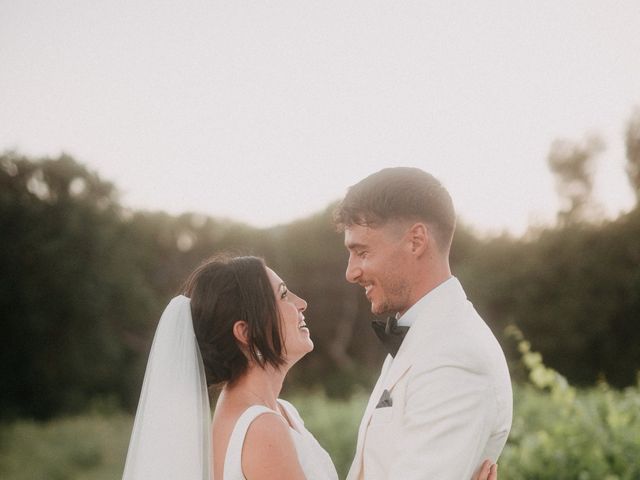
284, 293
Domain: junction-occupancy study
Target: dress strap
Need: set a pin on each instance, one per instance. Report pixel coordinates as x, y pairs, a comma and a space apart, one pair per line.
233, 457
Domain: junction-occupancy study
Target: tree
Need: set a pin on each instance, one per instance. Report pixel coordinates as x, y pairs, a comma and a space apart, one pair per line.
632, 140
572, 165
71, 291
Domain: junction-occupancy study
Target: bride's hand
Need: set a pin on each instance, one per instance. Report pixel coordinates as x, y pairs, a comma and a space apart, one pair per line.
488, 471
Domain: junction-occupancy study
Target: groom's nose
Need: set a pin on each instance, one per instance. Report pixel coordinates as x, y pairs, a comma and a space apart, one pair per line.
353, 270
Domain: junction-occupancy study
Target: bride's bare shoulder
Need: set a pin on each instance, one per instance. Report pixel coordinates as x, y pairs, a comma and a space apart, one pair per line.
269, 451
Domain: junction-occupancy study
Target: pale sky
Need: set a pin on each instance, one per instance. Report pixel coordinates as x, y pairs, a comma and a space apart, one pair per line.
266, 111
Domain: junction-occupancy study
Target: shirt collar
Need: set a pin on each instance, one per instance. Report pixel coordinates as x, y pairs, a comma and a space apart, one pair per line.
444, 292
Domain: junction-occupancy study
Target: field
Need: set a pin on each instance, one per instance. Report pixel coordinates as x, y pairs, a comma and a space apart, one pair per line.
558, 432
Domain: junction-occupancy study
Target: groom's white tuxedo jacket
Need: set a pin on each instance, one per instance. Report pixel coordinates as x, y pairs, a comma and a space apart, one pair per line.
450, 395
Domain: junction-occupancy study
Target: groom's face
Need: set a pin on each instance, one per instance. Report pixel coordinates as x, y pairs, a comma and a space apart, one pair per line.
378, 261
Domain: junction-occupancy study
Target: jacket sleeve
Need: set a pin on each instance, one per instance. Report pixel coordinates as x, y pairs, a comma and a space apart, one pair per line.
447, 421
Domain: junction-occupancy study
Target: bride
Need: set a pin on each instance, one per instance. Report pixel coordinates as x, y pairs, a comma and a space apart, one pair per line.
236, 327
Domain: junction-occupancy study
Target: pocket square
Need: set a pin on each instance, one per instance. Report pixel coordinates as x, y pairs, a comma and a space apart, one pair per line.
385, 400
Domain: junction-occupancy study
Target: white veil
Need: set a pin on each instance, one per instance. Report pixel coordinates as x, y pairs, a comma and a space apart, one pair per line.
171, 438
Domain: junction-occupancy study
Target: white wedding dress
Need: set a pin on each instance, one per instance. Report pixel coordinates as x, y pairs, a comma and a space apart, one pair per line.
315, 461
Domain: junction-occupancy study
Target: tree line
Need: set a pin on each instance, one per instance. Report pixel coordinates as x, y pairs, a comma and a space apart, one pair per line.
84, 279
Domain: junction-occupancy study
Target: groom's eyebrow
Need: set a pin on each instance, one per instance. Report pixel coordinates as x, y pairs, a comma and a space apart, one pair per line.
353, 245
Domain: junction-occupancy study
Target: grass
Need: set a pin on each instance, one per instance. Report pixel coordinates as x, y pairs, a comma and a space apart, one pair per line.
86, 447
558, 432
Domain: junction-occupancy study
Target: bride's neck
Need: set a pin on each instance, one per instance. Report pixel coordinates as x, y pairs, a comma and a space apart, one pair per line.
260, 385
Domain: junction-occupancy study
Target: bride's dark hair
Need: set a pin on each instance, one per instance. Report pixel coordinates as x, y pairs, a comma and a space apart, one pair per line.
223, 290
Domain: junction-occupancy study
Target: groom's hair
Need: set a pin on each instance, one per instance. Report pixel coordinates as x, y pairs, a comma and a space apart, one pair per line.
399, 193
223, 290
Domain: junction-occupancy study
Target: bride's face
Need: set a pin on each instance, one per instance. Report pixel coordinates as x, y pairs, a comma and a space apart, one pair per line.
295, 333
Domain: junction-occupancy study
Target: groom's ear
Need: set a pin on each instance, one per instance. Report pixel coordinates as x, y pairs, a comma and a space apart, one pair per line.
419, 238
241, 332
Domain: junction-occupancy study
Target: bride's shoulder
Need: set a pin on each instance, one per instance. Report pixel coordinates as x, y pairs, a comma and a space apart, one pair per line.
269, 449
267, 424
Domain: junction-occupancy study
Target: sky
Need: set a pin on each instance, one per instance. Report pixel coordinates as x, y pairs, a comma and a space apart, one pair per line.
266, 111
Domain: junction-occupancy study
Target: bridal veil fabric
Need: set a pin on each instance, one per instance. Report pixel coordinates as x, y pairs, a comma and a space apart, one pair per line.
171, 436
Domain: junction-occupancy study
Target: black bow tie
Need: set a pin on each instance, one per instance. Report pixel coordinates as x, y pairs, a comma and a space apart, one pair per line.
390, 334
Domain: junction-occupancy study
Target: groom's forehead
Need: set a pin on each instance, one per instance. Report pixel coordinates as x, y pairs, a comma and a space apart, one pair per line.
356, 235
360, 235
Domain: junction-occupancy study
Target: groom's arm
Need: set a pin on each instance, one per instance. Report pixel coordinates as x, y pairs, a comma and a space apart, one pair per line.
446, 424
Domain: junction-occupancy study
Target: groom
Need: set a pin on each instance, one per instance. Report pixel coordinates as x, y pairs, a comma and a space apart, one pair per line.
443, 401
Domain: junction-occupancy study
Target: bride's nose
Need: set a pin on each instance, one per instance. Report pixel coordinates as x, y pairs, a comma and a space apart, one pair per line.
301, 304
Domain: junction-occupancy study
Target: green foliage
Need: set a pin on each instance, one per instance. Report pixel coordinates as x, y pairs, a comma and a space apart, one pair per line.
561, 432
568, 433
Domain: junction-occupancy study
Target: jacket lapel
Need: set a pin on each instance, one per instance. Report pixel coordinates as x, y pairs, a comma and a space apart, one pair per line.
356, 467
401, 363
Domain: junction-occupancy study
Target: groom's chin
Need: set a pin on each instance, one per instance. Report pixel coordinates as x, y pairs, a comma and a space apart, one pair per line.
378, 309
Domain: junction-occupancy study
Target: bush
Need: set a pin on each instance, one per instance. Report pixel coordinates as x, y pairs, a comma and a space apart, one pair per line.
561, 432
